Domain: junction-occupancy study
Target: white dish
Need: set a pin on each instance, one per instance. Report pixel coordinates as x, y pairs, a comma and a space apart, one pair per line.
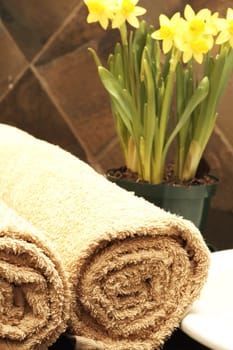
210, 319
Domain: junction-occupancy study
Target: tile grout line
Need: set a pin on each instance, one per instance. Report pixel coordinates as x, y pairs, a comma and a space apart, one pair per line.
57, 32
21, 72
45, 86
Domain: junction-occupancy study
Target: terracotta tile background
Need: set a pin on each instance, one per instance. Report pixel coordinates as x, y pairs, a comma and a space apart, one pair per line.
50, 88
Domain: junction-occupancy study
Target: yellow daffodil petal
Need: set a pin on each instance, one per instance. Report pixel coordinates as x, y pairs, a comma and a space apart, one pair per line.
223, 37
229, 14
117, 21
92, 18
175, 18
126, 10
215, 24
230, 28
199, 46
226, 34
220, 23
103, 22
180, 43
98, 12
96, 6
231, 41
139, 11
203, 14
187, 55
164, 20
230, 20
198, 57
167, 45
156, 35
133, 21
189, 14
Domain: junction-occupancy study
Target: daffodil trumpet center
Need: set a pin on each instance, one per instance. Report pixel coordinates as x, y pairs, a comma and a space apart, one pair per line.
127, 7
199, 46
196, 27
166, 33
96, 6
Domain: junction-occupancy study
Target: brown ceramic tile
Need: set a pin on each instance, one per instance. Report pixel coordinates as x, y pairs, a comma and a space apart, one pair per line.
219, 229
219, 6
73, 35
155, 8
28, 107
32, 22
12, 61
225, 120
112, 156
73, 81
219, 157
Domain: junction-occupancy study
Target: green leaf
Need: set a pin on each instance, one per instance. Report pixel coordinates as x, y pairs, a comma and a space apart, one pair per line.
139, 40
220, 73
199, 94
227, 69
149, 119
95, 56
150, 116
123, 100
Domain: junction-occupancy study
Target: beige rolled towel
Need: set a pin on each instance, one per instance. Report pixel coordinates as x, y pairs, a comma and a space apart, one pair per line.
134, 268
33, 288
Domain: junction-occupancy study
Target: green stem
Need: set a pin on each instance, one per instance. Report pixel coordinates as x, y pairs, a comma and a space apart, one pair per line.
158, 169
192, 160
123, 33
132, 159
166, 105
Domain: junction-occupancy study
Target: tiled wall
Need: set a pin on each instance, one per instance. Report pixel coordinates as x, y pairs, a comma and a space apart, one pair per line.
49, 86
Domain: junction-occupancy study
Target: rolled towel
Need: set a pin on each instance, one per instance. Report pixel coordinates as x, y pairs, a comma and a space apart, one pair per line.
34, 293
134, 269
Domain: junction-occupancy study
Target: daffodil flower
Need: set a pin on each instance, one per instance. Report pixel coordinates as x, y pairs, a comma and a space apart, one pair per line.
127, 11
99, 11
226, 34
195, 38
167, 31
198, 24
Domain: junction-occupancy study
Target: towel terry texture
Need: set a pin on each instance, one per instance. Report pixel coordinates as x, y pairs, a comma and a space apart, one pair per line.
134, 269
33, 286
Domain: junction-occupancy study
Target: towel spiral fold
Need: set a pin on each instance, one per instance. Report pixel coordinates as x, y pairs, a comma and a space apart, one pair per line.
33, 287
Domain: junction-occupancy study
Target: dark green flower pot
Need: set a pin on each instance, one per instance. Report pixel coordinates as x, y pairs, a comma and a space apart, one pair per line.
191, 202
